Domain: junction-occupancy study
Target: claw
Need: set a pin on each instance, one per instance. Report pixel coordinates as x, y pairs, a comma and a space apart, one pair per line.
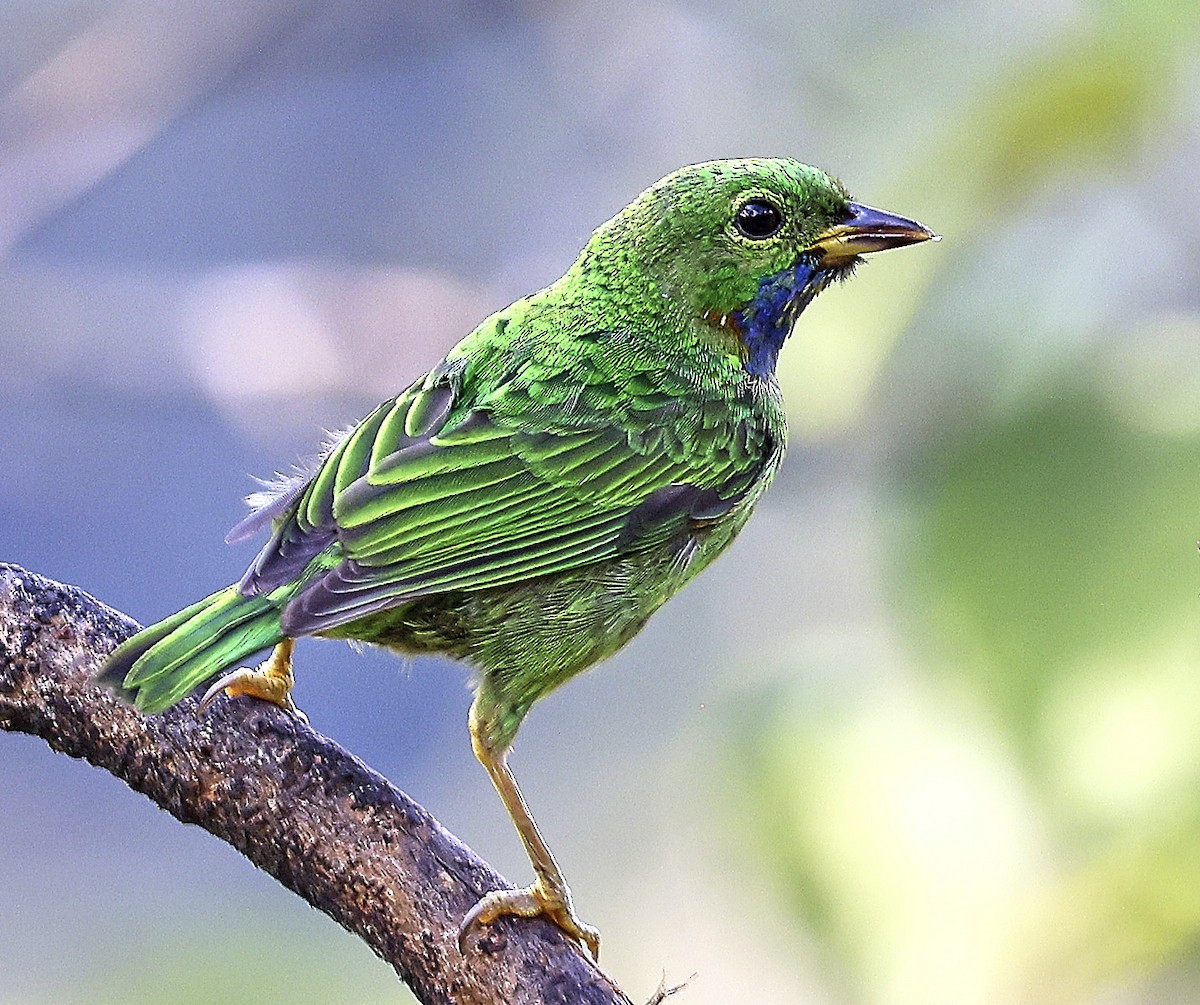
532, 902
219, 686
271, 681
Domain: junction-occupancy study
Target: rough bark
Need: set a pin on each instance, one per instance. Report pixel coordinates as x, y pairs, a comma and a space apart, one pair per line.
289, 799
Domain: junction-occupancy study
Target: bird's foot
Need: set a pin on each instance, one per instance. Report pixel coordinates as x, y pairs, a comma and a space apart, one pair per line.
271, 681
540, 899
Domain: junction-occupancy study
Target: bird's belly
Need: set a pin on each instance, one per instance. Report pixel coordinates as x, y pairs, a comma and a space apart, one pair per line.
530, 637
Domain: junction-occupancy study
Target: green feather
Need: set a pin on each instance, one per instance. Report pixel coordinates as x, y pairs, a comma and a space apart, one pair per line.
164, 663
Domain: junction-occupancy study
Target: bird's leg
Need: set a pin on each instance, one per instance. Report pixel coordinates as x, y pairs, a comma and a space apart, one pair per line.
548, 895
271, 680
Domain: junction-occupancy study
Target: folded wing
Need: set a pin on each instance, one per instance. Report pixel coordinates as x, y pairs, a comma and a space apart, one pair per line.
430, 494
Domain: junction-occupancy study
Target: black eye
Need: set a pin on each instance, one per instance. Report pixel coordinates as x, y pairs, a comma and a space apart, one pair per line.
758, 219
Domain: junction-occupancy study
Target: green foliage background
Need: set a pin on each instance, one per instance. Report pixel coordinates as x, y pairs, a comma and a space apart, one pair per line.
1011, 813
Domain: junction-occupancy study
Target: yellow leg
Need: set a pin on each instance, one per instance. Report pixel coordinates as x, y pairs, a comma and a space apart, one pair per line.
549, 895
271, 681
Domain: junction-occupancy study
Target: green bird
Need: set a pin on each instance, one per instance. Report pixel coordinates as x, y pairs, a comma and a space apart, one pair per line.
528, 503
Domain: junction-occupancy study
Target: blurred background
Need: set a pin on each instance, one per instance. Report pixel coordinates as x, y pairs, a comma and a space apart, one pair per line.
929, 733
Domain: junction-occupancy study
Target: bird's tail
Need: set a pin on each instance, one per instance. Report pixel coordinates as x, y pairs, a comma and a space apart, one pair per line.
165, 662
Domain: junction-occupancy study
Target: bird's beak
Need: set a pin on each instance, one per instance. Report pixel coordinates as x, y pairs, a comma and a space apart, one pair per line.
863, 230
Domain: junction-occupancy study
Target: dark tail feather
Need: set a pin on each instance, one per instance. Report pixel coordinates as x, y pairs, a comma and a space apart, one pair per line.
165, 662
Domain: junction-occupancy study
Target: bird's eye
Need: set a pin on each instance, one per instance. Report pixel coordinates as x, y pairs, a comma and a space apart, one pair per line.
758, 219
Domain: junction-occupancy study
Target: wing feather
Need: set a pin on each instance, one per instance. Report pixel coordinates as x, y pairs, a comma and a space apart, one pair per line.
445, 489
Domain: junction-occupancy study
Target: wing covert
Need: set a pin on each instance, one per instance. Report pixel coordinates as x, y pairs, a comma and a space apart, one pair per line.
432, 494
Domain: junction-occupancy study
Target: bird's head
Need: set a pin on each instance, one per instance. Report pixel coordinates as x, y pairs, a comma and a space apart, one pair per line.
744, 245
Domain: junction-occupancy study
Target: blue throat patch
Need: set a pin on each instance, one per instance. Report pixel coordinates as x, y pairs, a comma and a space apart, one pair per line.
767, 320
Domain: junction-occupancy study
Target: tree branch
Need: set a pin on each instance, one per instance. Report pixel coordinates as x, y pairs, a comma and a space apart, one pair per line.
292, 801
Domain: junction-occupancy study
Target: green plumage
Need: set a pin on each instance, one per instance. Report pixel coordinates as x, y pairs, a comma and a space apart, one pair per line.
533, 499
195, 644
